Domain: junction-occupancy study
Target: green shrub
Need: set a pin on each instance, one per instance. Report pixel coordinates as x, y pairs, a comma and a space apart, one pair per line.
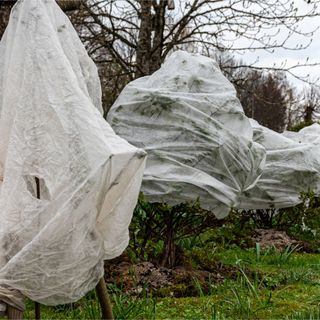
158, 229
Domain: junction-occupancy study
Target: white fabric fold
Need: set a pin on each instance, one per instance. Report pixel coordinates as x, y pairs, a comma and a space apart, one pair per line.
201, 145
11, 297
51, 129
292, 167
198, 139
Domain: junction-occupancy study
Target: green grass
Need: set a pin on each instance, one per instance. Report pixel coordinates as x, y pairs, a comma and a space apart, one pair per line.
269, 285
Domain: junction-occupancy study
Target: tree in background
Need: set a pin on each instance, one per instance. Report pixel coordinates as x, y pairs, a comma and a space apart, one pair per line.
311, 103
306, 112
131, 38
137, 35
266, 96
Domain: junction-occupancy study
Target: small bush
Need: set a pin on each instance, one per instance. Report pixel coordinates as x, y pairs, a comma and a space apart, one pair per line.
157, 229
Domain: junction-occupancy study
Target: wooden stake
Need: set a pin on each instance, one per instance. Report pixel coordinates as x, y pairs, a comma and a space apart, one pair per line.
105, 303
37, 307
37, 310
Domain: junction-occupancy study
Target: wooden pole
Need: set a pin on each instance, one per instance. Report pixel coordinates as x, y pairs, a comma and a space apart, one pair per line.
37, 308
105, 303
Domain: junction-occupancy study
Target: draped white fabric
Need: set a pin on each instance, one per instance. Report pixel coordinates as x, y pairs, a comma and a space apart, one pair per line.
198, 139
201, 145
292, 167
51, 131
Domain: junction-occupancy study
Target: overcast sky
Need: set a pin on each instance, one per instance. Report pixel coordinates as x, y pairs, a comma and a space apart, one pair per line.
294, 57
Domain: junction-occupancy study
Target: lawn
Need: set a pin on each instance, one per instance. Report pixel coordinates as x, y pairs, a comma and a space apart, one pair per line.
269, 285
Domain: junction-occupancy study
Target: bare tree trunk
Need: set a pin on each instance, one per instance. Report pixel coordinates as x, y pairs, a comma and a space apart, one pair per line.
157, 46
308, 112
144, 40
150, 41
169, 255
69, 5
4, 18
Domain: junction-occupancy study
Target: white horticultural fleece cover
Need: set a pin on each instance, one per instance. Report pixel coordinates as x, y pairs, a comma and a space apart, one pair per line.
52, 249
310, 134
200, 143
292, 167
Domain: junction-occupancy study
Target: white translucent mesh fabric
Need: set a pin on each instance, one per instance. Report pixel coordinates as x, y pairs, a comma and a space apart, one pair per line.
51, 129
310, 134
200, 143
292, 167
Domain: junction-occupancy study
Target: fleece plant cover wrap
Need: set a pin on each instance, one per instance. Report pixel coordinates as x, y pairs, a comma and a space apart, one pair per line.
52, 249
292, 166
199, 142
310, 134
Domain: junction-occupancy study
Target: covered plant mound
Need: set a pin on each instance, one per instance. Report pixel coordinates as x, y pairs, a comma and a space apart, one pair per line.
292, 167
69, 184
199, 142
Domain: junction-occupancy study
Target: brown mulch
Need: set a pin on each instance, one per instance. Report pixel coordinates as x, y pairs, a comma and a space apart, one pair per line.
270, 237
280, 240
180, 281
184, 280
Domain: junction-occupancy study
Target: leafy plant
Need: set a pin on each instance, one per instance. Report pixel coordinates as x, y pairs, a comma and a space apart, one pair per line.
258, 252
302, 220
158, 229
286, 254
275, 256
248, 296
